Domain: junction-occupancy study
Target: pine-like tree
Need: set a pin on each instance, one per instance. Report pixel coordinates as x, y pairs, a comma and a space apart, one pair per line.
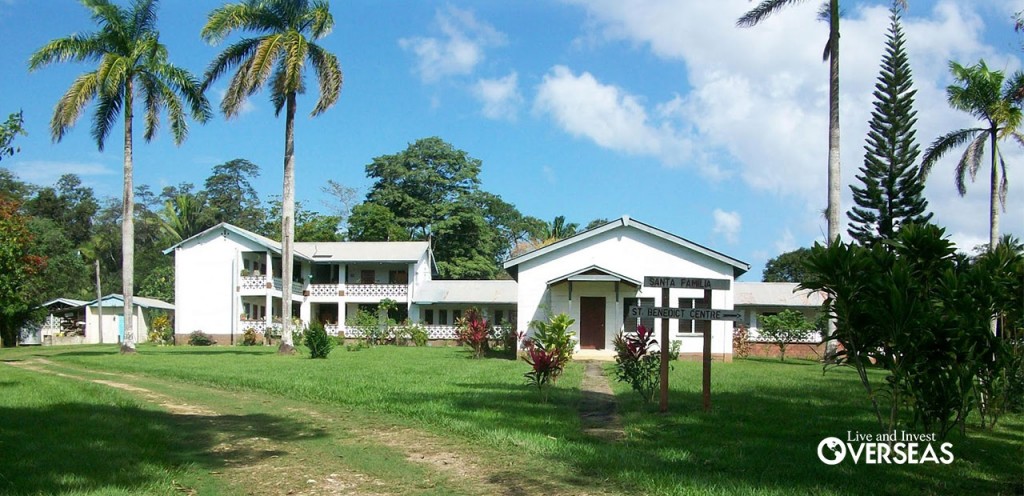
892, 191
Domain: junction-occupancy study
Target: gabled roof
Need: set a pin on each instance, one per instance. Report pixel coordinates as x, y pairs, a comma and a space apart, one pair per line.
739, 267
594, 274
224, 228
365, 251
775, 294
499, 291
116, 300
66, 302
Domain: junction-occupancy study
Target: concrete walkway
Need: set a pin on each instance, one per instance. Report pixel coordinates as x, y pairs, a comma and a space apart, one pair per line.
598, 414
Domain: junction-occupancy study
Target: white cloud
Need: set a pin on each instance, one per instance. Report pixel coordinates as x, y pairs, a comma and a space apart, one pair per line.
786, 243
459, 48
613, 118
760, 95
727, 225
501, 97
46, 173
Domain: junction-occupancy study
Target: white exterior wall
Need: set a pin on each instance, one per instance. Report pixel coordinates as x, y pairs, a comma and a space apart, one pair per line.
632, 253
206, 276
111, 316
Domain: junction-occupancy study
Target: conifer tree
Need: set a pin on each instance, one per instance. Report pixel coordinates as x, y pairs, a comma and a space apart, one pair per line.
892, 190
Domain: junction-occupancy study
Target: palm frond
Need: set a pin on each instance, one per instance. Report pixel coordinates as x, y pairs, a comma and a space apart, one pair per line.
943, 144
271, 47
319, 20
79, 48
278, 89
108, 107
1004, 184
248, 16
144, 16
187, 87
328, 74
296, 47
149, 87
232, 57
70, 106
107, 14
970, 162
762, 11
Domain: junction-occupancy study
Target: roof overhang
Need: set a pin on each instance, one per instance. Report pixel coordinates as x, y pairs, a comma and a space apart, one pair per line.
594, 273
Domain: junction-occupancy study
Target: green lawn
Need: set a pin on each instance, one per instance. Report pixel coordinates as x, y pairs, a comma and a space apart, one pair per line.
761, 436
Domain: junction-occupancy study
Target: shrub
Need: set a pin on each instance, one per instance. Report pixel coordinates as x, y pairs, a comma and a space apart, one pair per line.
160, 330
555, 336
250, 337
317, 340
741, 341
783, 328
636, 363
508, 339
474, 330
545, 366
417, 334
200, 338
673, 350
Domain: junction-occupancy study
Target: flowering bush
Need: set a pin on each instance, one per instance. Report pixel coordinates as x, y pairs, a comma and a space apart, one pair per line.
637, 363
474, 330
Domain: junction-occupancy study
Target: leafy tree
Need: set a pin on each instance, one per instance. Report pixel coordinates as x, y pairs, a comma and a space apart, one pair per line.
8, 131
18, 265
783, 328
344, 199
982, 93
830, 12
70, 205
66, 273
892, 191
159, 283
132, 62
309, 225
286, 32
372, 222
13, 188
465, 245
787, 267
230, 194
423, 183
511, 227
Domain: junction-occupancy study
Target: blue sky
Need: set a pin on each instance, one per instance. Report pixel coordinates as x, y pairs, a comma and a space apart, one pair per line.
657, 109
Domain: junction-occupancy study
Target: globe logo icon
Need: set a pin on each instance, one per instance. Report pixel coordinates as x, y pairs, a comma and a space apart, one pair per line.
831, 451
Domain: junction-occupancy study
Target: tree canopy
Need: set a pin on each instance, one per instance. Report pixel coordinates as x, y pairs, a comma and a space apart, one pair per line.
787, 267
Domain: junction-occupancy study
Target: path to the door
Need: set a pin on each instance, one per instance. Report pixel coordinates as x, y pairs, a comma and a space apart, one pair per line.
598, 413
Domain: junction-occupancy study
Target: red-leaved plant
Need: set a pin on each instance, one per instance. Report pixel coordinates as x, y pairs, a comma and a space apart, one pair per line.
474, 330
636, 362
546, 365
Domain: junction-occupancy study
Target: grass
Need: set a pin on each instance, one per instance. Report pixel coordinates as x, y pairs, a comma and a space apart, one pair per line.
760, 438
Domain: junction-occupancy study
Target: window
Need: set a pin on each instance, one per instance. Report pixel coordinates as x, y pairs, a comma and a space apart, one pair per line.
398, 277
456, 315
498, 320
442, 317
686, 325
428, 316
628, 324
366, 277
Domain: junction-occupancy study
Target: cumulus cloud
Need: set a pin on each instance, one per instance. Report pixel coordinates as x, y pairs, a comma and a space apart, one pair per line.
612, 118
760, 95
458, 49
500, 97
727, 225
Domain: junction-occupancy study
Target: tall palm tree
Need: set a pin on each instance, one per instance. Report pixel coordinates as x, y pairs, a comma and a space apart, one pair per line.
829, 12
131, 63
559, 229
984, 94
286, 30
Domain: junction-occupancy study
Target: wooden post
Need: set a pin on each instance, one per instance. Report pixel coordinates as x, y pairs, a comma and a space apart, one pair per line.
664, 354
706, 324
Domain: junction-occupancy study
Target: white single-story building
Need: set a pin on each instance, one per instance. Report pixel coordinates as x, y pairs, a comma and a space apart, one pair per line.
754, 299
595, 276
72, 321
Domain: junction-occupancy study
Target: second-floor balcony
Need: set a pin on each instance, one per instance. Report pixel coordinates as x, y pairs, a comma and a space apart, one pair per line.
259, 285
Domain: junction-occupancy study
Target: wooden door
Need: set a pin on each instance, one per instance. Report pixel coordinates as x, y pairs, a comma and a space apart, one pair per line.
592, 313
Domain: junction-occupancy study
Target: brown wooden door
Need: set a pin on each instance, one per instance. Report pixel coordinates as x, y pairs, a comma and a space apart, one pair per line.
592, 322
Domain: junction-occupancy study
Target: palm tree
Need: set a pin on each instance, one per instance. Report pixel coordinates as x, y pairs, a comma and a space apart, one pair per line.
830, 12
984, 94
559, 229
132, 62
185, 216
286, 30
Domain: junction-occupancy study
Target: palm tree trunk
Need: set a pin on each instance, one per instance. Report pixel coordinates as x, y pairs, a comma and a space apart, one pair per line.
287, 227
99, 300
834, 177
993, 215
128, 228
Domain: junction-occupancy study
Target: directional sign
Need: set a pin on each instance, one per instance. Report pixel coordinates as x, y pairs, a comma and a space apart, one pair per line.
684, 313
685, 283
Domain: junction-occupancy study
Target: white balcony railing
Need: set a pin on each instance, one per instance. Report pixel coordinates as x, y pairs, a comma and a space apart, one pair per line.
376, 290
259, 326
260, 284
252, 283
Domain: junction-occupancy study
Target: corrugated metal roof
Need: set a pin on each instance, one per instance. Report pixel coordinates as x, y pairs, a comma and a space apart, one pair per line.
780, 294
116, 300
364, 251
503, 291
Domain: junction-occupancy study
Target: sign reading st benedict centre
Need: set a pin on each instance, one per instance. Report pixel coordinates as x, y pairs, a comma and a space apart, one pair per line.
684, 313
685, 283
